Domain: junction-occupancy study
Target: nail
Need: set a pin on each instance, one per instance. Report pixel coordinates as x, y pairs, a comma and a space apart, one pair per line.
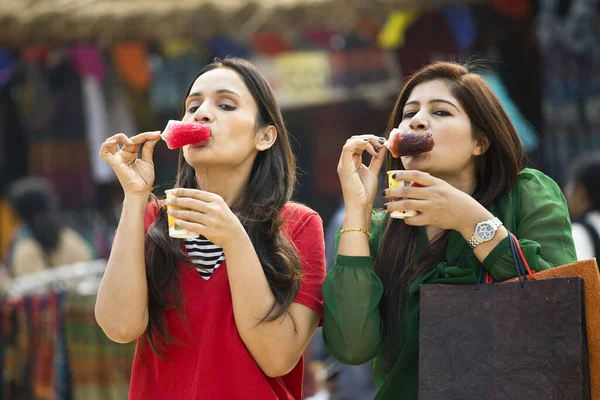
381, 140
383, 193
366, 140
385, 206
394, 175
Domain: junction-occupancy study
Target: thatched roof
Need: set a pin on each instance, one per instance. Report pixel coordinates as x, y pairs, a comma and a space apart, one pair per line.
34, 21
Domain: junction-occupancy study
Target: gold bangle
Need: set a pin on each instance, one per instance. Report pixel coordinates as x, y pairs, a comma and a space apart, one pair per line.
363, 230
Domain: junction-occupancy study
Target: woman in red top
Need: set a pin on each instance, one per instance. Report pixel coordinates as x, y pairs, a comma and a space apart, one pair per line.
235, 329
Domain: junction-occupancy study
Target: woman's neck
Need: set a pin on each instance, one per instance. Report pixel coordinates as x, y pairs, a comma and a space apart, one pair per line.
227, 183
465, 181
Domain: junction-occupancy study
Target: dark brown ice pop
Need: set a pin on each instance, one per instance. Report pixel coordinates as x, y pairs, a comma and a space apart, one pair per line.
409, 143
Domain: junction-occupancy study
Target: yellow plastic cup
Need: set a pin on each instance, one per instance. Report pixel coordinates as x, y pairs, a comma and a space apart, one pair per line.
175, 231
392, 183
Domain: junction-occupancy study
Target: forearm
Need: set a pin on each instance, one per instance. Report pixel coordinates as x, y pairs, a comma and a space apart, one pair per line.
275, 345
122, 300
355, 243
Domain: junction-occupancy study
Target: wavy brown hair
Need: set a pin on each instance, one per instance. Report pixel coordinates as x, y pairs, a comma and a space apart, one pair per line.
270, 187
497, 172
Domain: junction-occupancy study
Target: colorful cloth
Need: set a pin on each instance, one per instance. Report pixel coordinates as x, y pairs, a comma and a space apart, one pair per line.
100, 368
89, 61
52, 349
463, 25
19, 346
57, 148
131, 60
392, 35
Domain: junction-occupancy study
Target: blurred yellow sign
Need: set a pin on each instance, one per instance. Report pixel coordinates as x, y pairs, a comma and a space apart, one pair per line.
303, 77
319, 77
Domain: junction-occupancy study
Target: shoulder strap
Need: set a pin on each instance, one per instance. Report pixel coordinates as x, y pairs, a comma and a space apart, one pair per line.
594, 236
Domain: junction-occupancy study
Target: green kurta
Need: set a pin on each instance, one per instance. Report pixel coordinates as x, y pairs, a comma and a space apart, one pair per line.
535, 211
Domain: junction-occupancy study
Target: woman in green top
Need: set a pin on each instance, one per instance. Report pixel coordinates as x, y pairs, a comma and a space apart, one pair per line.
473, 175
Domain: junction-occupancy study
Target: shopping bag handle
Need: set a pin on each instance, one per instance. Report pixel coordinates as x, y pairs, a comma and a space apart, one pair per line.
524, 272
528, 273
517, 258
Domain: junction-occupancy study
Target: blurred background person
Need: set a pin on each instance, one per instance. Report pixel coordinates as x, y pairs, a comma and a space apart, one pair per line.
5, 279
42, 240
328, 382
583, 196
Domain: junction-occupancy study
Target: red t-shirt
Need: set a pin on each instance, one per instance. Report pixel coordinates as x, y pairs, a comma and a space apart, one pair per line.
210, 360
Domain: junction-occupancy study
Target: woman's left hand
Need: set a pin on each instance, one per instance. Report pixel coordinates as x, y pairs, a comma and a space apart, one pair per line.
439, 203
206, 214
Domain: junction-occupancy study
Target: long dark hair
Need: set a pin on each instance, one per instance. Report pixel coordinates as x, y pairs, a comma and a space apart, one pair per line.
497, 172
270, 187
35, 203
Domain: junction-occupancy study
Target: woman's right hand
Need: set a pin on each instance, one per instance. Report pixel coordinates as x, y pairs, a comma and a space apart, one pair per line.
136, 175
359, 182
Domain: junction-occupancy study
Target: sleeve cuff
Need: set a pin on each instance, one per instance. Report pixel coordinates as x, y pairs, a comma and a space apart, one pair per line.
354, 261
313, 303
502, 249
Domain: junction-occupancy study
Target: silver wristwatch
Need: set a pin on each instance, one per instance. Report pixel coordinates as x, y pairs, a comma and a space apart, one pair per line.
484, 232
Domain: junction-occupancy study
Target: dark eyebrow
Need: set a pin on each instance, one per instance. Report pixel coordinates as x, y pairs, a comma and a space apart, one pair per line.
220, 91
433, 101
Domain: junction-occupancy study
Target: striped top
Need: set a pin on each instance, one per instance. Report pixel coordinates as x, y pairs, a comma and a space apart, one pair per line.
205, 255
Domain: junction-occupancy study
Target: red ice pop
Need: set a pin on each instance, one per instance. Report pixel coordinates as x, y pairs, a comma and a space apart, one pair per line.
178, 134
409, 143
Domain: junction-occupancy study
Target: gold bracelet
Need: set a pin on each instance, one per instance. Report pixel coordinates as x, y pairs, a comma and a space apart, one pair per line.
363, 230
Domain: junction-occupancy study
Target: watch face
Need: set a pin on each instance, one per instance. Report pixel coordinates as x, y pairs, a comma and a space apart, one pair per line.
485, 231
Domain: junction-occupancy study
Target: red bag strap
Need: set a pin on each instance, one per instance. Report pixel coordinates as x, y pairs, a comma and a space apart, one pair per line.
520, 258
